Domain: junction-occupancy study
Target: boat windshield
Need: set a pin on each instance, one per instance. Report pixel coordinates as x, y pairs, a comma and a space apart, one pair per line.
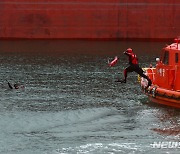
165, 57
176, 57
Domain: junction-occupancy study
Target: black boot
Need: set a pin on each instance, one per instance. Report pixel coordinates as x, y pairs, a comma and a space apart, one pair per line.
149, 84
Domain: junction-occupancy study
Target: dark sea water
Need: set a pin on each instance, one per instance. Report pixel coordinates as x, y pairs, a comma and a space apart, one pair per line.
71, 104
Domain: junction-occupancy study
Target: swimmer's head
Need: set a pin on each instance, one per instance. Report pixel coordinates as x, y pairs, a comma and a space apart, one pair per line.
16, 86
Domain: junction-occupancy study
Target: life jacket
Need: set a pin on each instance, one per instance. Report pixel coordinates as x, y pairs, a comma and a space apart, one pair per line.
114, 62
132, 58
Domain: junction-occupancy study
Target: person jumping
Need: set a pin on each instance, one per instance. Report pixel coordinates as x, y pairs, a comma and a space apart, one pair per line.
133, 67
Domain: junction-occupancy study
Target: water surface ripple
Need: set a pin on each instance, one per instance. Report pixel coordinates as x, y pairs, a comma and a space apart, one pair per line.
71, 104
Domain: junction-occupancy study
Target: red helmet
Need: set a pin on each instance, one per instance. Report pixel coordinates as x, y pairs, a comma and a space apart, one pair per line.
129, 50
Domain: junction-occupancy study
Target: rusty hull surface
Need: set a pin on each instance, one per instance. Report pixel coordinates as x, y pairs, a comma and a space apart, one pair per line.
91, 19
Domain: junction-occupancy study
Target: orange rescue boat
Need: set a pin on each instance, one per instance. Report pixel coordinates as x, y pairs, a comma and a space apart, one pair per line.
165, 77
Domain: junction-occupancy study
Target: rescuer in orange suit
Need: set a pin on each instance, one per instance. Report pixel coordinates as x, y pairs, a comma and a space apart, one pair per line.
133, 66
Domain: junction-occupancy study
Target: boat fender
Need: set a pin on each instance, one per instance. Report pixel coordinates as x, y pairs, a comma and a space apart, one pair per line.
112, 63
154, 92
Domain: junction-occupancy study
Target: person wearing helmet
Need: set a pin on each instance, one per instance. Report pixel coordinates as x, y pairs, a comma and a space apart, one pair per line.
133, 67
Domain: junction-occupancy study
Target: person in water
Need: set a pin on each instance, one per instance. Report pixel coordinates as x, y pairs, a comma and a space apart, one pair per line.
16, 86
133, 67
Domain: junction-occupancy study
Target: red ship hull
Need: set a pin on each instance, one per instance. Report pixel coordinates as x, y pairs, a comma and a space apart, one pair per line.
104, 19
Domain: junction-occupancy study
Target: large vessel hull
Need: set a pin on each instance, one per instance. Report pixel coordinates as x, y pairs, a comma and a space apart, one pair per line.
91, 19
